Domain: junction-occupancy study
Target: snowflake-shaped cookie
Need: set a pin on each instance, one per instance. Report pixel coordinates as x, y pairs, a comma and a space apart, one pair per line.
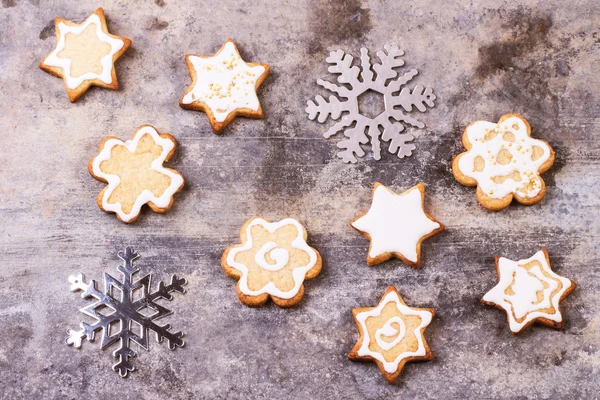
396, 225
504, 162
391, 334
529, 291
135, 173
85, 54
119, 313
382, 78
224, 86
272, 261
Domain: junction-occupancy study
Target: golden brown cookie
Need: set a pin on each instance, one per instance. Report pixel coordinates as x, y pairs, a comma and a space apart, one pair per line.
224, 86
135, 173
396, 225
273, 260
529, 291
85, 54
391, 334
504, 162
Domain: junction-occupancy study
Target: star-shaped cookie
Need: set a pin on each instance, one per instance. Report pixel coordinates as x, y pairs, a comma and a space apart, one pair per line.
529, 291
396, 224
224, 86
85, 54
391, 334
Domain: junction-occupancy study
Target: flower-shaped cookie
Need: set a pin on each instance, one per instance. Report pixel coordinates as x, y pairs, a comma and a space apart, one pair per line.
224, 86
391, 334
135, 174
529, 291
85, 54
273, 260
504, 162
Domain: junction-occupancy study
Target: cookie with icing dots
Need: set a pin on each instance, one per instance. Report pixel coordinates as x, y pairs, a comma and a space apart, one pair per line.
272, 261
391, 334
135, 173
504, 162
85, 54
396, 225
529, 292
224, 86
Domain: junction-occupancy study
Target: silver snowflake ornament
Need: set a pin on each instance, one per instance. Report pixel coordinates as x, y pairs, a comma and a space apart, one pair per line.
381, 78
125, 311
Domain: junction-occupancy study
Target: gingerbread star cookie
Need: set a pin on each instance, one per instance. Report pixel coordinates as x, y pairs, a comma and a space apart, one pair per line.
85, 55
273, 260
529, 291
391, 334
224, 86
504, 162
396, 225
135, 173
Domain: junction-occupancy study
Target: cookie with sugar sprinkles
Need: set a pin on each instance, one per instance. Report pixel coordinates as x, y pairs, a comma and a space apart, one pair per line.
504, 162
224, 86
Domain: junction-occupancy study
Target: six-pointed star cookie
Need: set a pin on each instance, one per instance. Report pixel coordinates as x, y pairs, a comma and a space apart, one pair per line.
135, 173
529, 291
391, 334
396, 225
224, 86
85, 54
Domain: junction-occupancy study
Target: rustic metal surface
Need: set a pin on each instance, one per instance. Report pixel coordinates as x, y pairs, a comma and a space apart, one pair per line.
537, 58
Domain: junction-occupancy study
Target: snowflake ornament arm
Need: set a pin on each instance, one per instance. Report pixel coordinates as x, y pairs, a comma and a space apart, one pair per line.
126, 312
382, 78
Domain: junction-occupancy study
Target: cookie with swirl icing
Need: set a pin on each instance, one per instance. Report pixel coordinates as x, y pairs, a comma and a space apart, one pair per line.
272, 261
504, 162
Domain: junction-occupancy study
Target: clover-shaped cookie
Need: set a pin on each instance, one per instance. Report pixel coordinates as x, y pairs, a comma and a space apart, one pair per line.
273, 261
135, 174
504, 162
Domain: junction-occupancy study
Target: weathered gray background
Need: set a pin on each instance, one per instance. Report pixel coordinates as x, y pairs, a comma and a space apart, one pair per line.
538, 58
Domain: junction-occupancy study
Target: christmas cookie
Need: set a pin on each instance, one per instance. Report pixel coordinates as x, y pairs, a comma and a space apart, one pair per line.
85, 54
224, 86
273, 260
135, 174
504, 162
391, 334
529, 291
396, 224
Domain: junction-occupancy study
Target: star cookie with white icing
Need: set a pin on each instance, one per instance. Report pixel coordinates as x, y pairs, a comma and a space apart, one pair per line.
272, 261
504, 162
85, 54
135, 173
224, 86
529, 291
396, 225
391, 334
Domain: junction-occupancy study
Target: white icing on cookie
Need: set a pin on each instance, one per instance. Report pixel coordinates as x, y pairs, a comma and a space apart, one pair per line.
279, 255
388, 330
224, 82
65, 63
494, 179
396, 223
146, 196
523, 302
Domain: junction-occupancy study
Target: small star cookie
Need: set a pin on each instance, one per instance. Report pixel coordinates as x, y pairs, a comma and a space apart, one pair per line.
504, 162
273, 261
224, 86
529, 291
391, 334
85, 54
396, 225
135, 174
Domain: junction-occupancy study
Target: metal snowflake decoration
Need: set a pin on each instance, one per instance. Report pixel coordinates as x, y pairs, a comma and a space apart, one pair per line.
126, 311
381, 78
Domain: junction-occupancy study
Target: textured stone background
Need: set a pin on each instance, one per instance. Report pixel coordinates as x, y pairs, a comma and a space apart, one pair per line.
538, 58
